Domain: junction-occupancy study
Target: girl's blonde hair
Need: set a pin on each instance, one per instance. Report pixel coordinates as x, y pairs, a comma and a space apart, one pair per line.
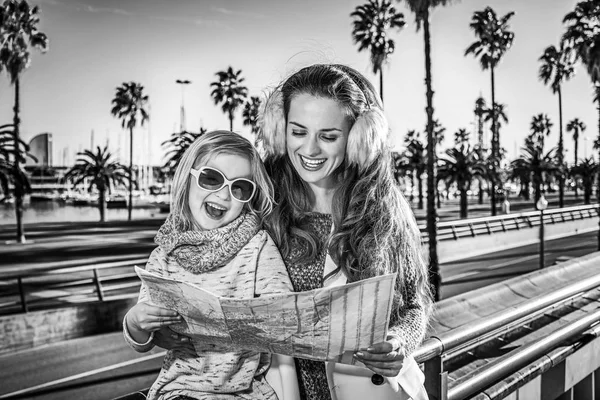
209, 145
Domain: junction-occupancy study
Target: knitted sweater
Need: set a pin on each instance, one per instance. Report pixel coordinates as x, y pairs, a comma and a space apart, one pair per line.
408, 322
213, 372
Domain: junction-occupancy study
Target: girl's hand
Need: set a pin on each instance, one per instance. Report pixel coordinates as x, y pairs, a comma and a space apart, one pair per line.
150, 318
384, 358
169, 340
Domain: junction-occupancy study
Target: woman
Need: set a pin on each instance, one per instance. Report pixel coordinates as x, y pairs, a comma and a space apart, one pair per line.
340, 216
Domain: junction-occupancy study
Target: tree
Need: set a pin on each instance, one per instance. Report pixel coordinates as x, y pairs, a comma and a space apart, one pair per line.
557, 67
582, 36
421, 9
461, 137
460, 165
540, 128
494, 40
577, 127
586, 170
176, 146
228, 89
371, 24
416, 161
534, 163
101, 171
8, 174
129, 106
19, 33
250, 115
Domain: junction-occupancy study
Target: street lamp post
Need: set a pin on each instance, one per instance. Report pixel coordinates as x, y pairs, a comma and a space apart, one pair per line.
183, 83
541, 205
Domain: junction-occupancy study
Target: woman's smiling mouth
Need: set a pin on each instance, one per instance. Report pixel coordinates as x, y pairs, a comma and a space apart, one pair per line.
312, 164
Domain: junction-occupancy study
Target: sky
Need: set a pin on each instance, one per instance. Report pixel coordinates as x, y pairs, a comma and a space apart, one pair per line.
96, 45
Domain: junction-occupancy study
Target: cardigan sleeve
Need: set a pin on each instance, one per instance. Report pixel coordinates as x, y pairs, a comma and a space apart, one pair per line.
271, 273
409, 320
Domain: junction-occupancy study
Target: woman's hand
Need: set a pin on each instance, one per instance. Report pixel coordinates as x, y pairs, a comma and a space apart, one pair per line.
384, 358
169, 340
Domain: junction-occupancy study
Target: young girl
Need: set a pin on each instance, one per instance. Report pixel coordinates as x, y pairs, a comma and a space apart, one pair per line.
212, 238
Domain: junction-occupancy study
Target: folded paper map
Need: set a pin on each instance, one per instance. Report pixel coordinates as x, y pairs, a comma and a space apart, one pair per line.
320, 324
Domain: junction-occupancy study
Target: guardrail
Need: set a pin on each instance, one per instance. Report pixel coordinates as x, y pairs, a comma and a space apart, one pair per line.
439, 350
89, 288
454, 230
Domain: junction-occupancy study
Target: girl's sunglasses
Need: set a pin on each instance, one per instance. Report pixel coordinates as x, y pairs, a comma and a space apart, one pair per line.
213, 180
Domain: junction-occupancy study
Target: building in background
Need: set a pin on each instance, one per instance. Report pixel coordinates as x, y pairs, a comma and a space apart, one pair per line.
40, 146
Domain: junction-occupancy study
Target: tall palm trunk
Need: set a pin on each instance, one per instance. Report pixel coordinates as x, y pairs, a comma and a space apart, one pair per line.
18, 187
561, 176
381, 83
598, 186
495, 145
420, 192
434, 270
575, 163
412, 186
231, 121
102, 203
130, 205
480, 141
463, 203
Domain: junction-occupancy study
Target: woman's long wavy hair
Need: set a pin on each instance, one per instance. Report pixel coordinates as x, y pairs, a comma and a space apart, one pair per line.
375, 231
200, 151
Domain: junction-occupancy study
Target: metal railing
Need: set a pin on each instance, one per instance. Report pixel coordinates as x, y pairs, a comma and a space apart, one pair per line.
77, 283
439, 350
456, 229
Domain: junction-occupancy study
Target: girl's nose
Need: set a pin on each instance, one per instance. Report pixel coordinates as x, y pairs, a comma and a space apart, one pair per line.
223, 193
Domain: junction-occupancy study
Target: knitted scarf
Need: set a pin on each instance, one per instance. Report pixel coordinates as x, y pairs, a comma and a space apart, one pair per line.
202, 251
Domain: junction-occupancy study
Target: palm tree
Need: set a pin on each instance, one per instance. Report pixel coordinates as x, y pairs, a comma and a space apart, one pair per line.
250, 115
495, 39
583, 38
8, 174
371, 24
129, 106
540, 128
556, 68
176, 146
586, 170
461, 137
416, 160
421, 9
576, 126
101, 171
18, 35
228, 90
498, 112
537, 165
461, 165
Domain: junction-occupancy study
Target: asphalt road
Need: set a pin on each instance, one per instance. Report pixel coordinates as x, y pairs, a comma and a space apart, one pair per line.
61, 360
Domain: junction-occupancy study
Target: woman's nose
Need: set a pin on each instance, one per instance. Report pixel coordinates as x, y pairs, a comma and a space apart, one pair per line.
312, 147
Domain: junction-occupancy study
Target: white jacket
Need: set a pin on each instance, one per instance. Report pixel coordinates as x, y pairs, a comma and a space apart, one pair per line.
348, 382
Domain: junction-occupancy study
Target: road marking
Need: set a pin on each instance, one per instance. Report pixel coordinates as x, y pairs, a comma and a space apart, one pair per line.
515, 261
